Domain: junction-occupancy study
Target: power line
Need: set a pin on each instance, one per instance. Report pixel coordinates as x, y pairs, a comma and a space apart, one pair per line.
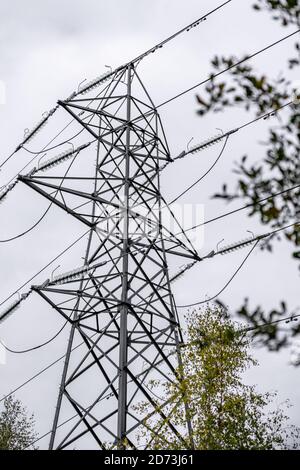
25, 296
182, 154
105, 397
203, 176
46, 211
255, 240
247, 206
48, 149
218, 138
46, 266
274, 322
43, 149
49, 432
173, 36
266, 115
212, 77
215, 140
41, 371
153, 49
191, 228
222, 215
39, 346
243, 243
62, 143
226, 285
226, 135
224, 251
123, 372
7, 159
183, 345
52, 139
80, 344
113, 72
31, 133
70, 246
286, 319
109, 395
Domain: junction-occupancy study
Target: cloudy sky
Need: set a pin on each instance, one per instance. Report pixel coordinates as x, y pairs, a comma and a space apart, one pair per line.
47, 49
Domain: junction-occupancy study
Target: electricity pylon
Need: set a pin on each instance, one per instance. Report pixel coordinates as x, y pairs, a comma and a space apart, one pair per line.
119, 303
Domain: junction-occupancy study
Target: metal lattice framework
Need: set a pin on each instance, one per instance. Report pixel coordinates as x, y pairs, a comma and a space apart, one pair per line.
124, 327
119, 302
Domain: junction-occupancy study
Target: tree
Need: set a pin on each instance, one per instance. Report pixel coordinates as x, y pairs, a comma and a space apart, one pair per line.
278, 168
225, 413
16, 427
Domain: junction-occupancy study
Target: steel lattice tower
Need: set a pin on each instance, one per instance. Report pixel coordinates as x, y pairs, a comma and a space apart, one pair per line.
120, 304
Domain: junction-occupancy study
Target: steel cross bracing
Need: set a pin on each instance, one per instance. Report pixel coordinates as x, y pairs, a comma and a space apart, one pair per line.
121, 305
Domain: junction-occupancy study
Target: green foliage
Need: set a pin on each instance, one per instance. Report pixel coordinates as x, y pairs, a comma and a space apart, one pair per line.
278, 165
16, 428
225, 413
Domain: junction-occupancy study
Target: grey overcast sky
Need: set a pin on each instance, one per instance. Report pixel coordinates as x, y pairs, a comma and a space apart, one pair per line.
46, 49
